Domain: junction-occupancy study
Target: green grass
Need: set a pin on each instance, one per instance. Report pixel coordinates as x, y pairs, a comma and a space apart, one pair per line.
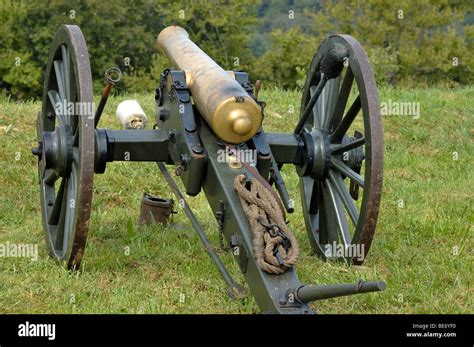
423, 250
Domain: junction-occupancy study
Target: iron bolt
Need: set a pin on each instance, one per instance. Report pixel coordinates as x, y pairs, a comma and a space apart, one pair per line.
184, 161
197, 149
163, 115
172, 137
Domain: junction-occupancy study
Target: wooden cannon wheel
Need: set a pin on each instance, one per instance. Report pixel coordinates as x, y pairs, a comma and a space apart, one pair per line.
65, 131
334, 210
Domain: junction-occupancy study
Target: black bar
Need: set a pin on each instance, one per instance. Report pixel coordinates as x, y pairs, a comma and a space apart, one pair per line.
315, 330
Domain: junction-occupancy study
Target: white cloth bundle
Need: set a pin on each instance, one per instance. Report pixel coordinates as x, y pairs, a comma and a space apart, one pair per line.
130, 115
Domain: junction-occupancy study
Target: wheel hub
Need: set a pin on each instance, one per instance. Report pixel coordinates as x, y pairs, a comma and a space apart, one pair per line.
316, 153
56, 150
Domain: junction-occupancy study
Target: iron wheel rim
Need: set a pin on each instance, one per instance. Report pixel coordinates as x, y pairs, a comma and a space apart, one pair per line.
362, 231
65, 206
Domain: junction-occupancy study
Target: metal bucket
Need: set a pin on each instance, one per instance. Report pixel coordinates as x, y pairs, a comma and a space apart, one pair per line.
154, 208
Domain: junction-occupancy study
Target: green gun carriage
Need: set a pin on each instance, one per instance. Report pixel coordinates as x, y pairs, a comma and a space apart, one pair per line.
202, 111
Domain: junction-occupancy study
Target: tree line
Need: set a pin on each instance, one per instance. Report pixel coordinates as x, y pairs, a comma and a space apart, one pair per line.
409, 43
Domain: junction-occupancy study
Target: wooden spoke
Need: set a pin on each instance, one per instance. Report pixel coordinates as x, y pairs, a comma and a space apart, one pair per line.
313, 203
346, 170
328, 101
56, 210
343, 193
59, 69
346, 122
342, 98
337, 223
338, 149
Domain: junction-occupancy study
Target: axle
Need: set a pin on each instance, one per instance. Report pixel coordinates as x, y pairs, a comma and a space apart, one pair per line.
152, 145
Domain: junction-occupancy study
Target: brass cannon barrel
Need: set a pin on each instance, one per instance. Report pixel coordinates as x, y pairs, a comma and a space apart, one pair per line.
228, 109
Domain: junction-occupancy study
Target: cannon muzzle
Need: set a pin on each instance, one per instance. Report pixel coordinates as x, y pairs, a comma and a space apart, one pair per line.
228, 109
307, 294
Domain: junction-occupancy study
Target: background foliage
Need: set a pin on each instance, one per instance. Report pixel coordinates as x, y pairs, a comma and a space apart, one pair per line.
409, 43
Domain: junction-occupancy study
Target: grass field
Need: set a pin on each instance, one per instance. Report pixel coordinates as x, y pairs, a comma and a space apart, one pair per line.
423, 247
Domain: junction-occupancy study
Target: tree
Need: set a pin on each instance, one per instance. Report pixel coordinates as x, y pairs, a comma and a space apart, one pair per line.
285, 64
421, 41
222, 29
119, 33
18, 70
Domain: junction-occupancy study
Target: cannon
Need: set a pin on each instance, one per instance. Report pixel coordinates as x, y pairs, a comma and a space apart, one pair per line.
205, 118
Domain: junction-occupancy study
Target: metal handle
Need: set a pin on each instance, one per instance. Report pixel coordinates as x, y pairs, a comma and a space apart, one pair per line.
307, 294
111, 81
